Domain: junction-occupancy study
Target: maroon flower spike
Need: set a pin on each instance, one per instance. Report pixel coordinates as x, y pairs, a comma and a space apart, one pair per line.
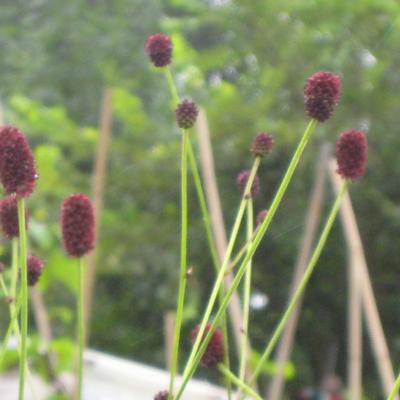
159, 48
351, 154
321, 94
35, 266
9, 217
186, 114
17, 166
262, 144
77, 225
261, 216
214, 353
241, 182
161, 395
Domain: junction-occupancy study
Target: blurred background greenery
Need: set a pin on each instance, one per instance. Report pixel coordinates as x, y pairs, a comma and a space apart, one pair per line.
245, 62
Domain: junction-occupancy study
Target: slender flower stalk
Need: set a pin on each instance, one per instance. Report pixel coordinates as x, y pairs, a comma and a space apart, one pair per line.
78, 227
395, 389
246, 300
206, 221
225, 264
81, 324
238, 382
303, 283
183, 256
13, 322
194, 359
24, 296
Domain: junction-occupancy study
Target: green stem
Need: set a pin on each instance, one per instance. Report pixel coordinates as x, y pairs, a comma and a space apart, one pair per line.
207, 224
224, 266
24, 296
3, 286
238, 382
246, 300
194, 361
14, 267
183, 267
81, 325
213, 251
13, 320
395, 389
303, 283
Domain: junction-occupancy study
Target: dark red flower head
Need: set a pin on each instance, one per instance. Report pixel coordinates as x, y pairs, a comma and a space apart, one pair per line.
35, 266
351, 154
321, 94
77, 225
262, 144
214, 353
261, 216
161, 395
186, 114
159, 48
241, 182
17, 166
9, 217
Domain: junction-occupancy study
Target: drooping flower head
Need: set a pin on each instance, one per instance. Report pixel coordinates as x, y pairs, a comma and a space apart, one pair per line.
17, 166
351, 154
261, 216
262, 144
159, 48
214, 353
161, 395
186, 114
77, 225
9, 217
321, 95
241, 182
35, 266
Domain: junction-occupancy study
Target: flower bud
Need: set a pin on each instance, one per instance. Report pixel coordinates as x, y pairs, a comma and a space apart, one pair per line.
321, 95
35, 266
241, 182
214, 353
159, 48
186, 114
262, 144
9, 217
17, 166
77, 225
161, 395
351, 154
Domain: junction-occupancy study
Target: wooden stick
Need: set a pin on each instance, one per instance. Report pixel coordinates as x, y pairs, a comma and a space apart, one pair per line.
169, 323
312, 219
99, 175
217, 220
373, 322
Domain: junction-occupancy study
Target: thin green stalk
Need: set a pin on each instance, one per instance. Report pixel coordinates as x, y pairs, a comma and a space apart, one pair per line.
214, 254
194, 361
24, 296
14, 267
13, 319
303, 283
238, 382
395, 389
246, 300
207, 225
183, 266
81, 325
3, 286
225, 264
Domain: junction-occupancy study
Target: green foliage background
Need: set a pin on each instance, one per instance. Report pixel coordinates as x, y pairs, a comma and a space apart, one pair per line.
245, 62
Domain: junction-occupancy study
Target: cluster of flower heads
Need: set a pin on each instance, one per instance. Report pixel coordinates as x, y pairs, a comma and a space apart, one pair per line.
321, 96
